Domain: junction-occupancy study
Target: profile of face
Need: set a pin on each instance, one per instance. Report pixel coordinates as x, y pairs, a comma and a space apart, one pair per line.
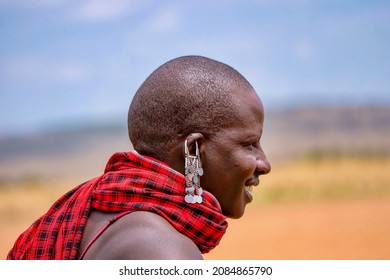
233, 159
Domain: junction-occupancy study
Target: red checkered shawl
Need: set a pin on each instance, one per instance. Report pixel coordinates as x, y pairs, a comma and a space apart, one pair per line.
130, 182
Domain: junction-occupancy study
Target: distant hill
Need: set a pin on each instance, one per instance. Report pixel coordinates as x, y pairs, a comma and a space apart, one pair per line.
81, 152
299, 131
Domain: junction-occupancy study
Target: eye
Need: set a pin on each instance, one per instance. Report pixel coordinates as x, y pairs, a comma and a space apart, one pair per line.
252, 145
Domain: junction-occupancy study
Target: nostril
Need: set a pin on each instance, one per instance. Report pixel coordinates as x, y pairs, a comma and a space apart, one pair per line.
263, 167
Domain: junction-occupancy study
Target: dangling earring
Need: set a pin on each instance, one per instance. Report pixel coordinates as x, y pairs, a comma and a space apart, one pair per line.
193, 170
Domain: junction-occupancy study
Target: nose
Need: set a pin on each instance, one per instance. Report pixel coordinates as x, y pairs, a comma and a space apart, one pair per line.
263, 166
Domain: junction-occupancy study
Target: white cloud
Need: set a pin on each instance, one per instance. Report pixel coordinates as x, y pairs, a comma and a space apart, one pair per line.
232, 43
165, 20
84, 11
20, 4
304, 50
100, 10
27, 69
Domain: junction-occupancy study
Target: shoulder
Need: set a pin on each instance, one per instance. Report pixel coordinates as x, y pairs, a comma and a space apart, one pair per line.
142, 235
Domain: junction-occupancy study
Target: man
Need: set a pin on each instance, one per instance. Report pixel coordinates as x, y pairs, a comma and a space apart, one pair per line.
195, 124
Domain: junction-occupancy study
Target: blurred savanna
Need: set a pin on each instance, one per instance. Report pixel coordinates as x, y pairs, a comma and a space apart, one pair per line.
321, 69
327, 197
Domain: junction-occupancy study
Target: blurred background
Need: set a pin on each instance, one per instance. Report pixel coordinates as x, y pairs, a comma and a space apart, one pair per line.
69, 69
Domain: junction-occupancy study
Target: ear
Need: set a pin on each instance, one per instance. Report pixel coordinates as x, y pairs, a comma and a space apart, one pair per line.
192, 139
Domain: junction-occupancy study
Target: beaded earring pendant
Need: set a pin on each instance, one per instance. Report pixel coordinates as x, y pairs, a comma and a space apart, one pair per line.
193, 170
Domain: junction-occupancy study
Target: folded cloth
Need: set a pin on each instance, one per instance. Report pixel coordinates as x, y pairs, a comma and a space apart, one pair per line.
130, 182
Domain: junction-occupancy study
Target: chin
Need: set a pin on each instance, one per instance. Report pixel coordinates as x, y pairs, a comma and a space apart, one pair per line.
238, 213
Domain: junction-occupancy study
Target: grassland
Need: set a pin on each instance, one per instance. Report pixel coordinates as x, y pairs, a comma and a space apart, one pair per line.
316, 208
327, 197
313, 207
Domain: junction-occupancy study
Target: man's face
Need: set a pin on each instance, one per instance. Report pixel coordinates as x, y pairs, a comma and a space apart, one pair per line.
233, 159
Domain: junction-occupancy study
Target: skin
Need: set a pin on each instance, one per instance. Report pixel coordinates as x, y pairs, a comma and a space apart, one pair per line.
136, 236
232, 160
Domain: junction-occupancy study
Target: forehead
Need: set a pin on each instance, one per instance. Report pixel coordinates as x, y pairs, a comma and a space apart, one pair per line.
250, 110
249, 117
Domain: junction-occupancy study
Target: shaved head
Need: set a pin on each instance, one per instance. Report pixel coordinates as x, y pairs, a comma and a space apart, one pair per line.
185, 95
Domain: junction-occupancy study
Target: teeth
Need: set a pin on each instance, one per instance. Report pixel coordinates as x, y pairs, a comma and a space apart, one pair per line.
249, 188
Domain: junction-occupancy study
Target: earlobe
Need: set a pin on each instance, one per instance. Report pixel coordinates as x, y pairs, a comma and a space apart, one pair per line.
193, 170
193, 138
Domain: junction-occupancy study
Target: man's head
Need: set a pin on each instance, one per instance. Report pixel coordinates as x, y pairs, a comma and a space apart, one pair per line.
212, 105
187, 94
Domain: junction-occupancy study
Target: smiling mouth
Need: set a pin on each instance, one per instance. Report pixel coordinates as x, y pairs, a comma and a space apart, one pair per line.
248, 192
249, 189
249, 185
252, 182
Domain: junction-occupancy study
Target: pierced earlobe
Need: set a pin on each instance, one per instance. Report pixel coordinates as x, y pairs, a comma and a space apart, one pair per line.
192, 171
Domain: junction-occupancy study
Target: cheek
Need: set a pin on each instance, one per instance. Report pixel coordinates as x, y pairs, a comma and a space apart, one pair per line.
245, 166
225, 176
214, 172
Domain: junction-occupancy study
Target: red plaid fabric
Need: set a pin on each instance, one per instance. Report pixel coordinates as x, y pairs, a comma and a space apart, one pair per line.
130, 182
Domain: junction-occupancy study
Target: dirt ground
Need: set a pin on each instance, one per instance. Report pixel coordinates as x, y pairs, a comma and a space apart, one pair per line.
358, 229
355, 229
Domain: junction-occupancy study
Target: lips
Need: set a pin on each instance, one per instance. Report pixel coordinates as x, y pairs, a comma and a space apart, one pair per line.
252, 182
249, 188
248, 193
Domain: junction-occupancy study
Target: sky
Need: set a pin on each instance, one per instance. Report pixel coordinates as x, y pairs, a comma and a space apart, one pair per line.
73, 61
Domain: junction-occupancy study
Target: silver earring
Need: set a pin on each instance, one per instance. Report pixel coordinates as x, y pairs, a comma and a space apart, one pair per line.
193, 170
